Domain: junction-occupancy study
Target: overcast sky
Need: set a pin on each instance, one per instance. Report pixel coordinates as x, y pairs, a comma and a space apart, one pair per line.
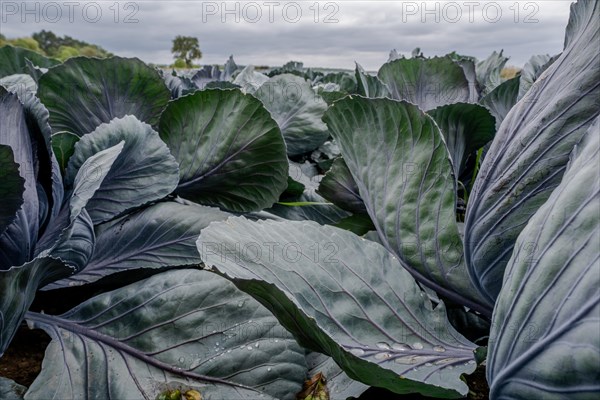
319, 33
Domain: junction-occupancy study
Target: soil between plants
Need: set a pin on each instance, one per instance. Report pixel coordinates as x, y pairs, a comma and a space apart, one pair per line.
22, 361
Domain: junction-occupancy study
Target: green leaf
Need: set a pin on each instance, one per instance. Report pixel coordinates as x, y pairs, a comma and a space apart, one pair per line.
298, 109
13, 60
339, 187
35, 71
178, 85
331, 97
303, 203
18, 286
544, 341
500, 100
400, 163
369, 85
345, 81
528, 156
10, 390
90, 176
468, 66
63, 145
250, 80
144, 172
83, 93
220, 85
293, 191
184, 327
309, 205
212, 73
532, 70
12, 187
488, 71
466, 128
230, 151
357, 223
345, 297
76, 242
70, 237
22, 84
428, 83
161, 235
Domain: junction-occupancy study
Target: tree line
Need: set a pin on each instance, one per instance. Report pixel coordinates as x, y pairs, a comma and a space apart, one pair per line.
185, 49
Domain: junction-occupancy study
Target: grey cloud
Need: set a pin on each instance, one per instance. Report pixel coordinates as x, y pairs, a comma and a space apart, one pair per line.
366, 32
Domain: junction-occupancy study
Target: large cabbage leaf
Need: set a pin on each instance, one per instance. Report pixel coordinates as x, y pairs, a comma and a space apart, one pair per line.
63, 146
528, 156
532, 70
369, 85
13, 60
10, 390
59, 258
346, 297
466, 128
544, 342
502, 99
83, 93
298, 109
184, 328
158, 236
250, 80
488, 71
145, 171
338, 186
428, 83
399, 160
230, 151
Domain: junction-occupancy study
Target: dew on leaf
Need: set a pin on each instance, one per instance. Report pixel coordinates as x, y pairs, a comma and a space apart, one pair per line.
382, 356
357, 352
401, 347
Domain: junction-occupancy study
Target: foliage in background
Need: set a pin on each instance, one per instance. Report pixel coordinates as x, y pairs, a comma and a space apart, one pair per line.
186, 48
60, 47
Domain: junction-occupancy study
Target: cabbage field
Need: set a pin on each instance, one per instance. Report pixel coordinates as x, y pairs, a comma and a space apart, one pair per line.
233, 233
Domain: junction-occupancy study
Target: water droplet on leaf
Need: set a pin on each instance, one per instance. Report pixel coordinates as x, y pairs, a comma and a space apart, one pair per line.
357, 352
